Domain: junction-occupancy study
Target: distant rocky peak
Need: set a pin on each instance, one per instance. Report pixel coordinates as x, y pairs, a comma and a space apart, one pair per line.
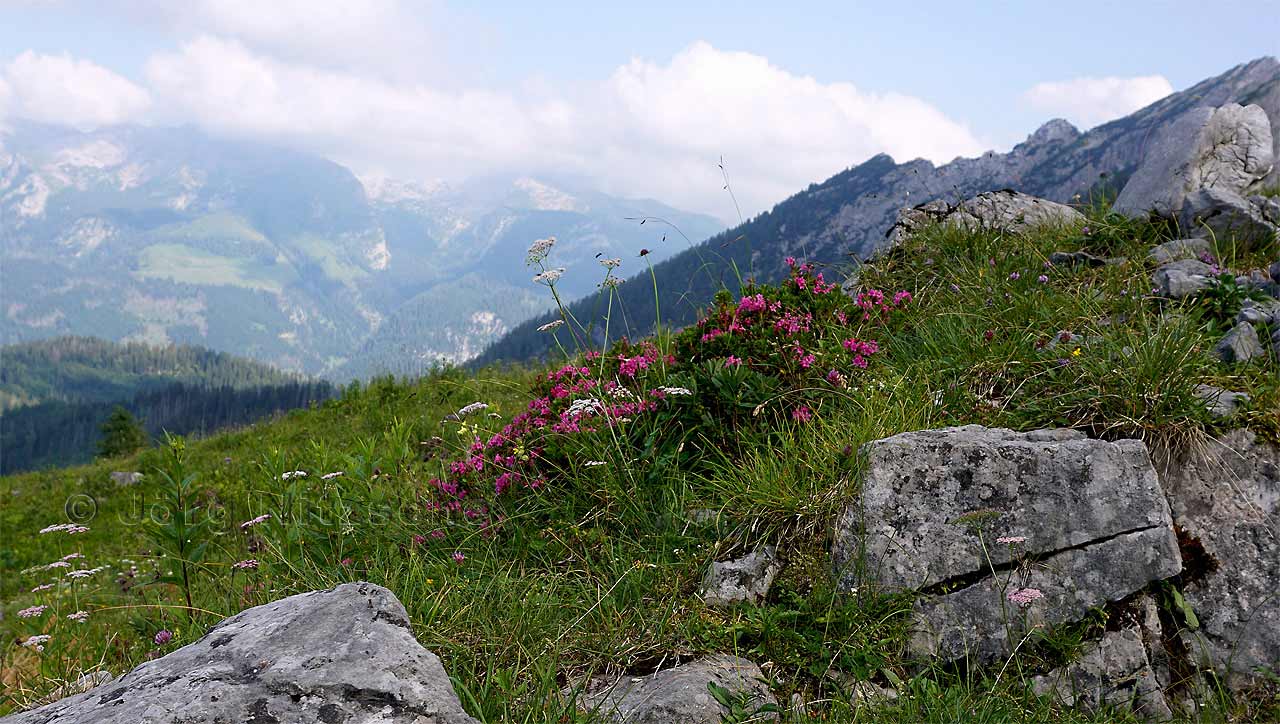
1058, 130
548, 198
382, 189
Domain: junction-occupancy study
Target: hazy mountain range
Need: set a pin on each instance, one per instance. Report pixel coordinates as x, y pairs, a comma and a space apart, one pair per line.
167, 235
847, 215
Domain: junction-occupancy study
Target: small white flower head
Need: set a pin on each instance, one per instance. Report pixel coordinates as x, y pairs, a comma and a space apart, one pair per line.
622, 393
72, 556
472, 409
675, 391
32, 612
611, 263
254, 521
594, 463
42, 587
611, 283
37, 642
585, 406
294, 474
79, 616
553, 324
539, 250
331, 476
69, 528
84, 573
1012, 539
550, 276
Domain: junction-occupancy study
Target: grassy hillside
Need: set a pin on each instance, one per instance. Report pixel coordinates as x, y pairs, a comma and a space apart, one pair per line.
543, 539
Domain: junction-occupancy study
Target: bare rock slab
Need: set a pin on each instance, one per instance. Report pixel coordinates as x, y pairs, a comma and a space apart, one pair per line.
1113, 672
1227, 148
680, 695
742, 580
1241, 344
1179, 249
1091, 512
1008, 211
1228, 499
342, 655
1181, 279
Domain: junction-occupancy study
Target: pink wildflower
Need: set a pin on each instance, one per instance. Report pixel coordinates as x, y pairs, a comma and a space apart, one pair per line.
458, 557
802, 414
732, 361
1010, 539
246, 565
254, 521
1024, 596
32, 612
163, 636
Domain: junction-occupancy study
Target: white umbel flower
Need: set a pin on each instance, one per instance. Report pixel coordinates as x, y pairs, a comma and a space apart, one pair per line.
553, 324
586, 406
611, 263
550, 276
539, 250
472, 409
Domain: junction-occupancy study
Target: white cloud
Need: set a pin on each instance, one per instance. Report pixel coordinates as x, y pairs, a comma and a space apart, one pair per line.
61, 89
1088, 102
387, 38
654, 129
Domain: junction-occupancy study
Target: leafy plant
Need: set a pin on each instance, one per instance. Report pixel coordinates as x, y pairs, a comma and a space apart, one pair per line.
182, 532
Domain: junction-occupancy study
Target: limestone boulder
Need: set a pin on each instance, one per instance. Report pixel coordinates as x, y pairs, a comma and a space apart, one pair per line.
934, 505
342, 655
1008, 211
683, 695
1226, 499
1227, 148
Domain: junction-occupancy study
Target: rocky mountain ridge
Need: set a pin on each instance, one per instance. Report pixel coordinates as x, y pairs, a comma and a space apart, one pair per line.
848, 215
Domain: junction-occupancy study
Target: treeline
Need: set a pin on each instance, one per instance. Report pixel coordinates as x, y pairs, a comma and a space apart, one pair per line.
57, 433
87, 369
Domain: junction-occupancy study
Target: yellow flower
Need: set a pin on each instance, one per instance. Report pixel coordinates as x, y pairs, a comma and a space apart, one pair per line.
1075, 352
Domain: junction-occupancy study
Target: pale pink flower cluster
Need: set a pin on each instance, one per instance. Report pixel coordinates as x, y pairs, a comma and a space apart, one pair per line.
553, 324
550, 276
79, 616
539, 250
247, 565
1011, 539
37, 642
85, 572
254, 521
32, 612
69, 528
1025, 596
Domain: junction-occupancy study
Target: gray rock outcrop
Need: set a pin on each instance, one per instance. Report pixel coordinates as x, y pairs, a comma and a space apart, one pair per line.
1227, 215
342, 655
1220, 402
1090, 511
742, 580
1113, 672
1227, 498
1180, 249
680, 695
124, 479
1181, 279
1241, 344
1227, 148
1006, 210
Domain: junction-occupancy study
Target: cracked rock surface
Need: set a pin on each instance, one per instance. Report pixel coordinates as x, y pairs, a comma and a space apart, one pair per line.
1228, 499
1008, 211
1092, 511
680, 695
1112, 672
1227, 148
745, 579
342, 655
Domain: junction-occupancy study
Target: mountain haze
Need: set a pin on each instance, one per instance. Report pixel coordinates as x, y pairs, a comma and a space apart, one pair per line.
847, 215
169, 235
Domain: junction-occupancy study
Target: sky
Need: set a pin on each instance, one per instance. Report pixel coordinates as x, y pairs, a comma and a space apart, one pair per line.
633, 99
